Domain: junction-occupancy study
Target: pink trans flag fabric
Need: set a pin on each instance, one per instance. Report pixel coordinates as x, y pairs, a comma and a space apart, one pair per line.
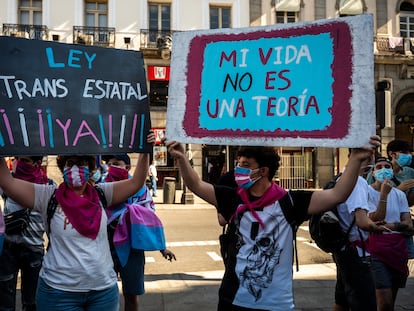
138, 227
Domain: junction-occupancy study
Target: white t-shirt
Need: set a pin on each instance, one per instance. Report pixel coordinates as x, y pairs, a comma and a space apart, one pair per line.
396, 203
358, 199
153, 170
73, 262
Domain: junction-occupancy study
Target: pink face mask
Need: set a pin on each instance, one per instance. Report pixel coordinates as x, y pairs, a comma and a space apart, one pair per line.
116, 173
243, 177
29, 172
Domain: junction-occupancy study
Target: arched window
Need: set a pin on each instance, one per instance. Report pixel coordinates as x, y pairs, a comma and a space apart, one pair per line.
407, 20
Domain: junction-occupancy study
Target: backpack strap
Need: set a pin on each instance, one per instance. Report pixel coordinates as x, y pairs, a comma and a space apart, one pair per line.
286, 204
102, 197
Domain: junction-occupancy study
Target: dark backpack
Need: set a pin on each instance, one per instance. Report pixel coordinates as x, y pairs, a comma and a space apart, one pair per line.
325, 229
228, 239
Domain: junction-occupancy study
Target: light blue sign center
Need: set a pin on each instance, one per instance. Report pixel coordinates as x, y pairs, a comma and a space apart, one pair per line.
268, 84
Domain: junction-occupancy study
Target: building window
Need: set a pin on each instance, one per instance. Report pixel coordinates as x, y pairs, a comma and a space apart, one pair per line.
220, 17
96, 13
286, 17
159, 20
406, 20
287, 11
159, 17
30, 12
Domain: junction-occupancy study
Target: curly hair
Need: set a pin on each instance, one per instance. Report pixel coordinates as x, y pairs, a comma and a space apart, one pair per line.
61, 161
264, 156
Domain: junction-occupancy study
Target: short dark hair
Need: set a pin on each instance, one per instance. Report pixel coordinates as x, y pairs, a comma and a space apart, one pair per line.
382, 159
398, 145
33, 158
264, 156
120, 157
61, 161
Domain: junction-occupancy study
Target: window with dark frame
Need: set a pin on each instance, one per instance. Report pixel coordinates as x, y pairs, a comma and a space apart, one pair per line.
286, 17
96, 13
220, 17
407, 20
159, 19
30, 12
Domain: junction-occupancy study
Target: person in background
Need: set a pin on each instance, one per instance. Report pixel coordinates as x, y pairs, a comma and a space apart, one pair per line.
388, 250
153, 178
23, 249
77, 271
258, 275
132, 271
355, 289
403, 147
399, 152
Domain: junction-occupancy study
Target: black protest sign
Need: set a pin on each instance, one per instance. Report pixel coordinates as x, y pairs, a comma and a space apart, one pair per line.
58, 98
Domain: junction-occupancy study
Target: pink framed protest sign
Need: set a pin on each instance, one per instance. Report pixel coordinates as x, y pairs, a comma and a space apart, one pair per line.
303, 84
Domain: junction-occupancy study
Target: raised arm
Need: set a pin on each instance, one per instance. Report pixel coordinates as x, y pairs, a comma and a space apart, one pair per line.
125, 188
381, 210
327, 199
18, 190
191, 179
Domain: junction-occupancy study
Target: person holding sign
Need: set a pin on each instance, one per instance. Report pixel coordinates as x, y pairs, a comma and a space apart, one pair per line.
77, 271
128, 262
258, 274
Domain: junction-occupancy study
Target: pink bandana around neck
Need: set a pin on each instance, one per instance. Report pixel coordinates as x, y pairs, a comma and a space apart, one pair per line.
273, 194
83, 212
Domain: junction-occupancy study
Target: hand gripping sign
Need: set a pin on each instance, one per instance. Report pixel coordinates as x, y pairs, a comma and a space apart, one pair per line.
303, 84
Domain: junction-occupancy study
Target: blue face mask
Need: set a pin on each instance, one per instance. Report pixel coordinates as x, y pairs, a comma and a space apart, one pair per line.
243, 177
96, 176
404, 159
383, 174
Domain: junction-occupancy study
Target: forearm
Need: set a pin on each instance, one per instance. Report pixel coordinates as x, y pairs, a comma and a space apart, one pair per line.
346, 183
19, 190
191, 179
381, 210
189, 175
141, 170
123, 189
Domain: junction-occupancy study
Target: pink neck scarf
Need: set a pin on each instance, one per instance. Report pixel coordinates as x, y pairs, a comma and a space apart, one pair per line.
84, 212
273, 194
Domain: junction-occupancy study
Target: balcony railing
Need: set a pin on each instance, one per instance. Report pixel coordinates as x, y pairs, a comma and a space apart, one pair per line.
101, 36
398, 45
156, 39
39, 32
